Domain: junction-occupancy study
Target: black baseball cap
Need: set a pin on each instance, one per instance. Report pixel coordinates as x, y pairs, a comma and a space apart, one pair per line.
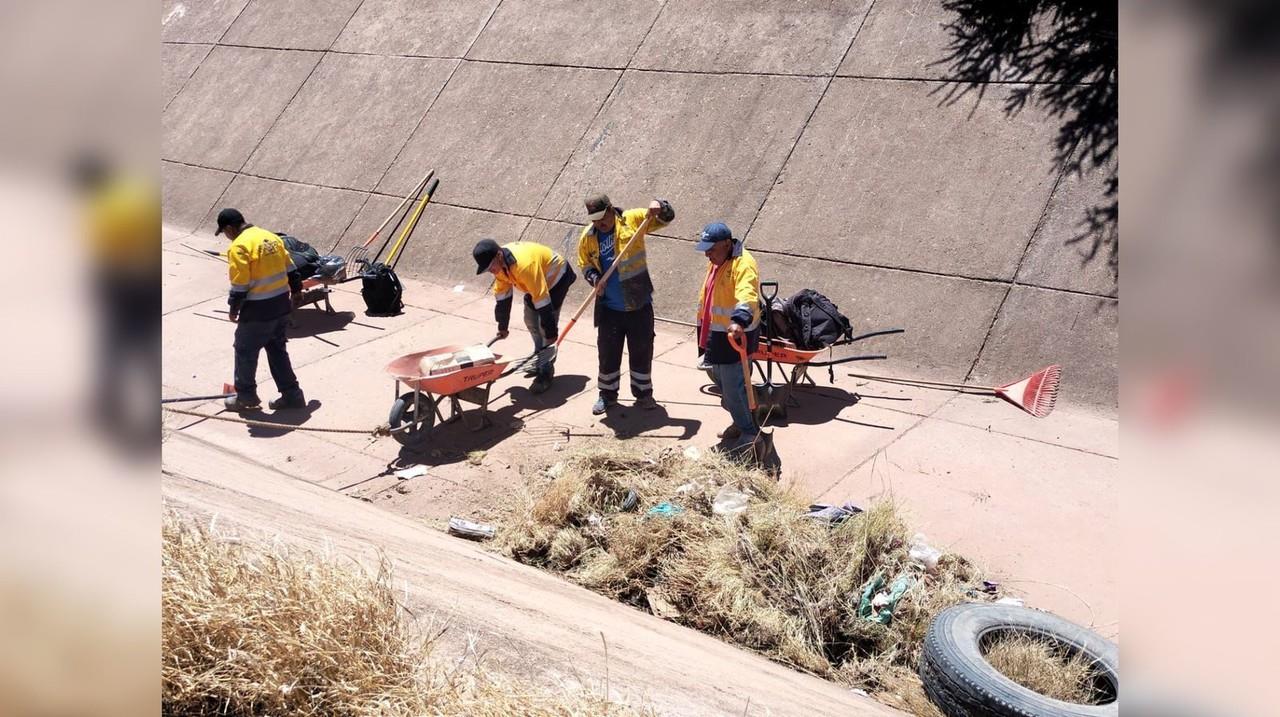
229, 217
597, 205
484, 252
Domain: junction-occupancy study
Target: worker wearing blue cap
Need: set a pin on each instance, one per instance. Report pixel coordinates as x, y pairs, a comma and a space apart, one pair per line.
729, 305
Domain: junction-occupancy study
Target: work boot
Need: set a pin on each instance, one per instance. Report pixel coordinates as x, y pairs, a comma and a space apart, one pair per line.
293, 400
732, 433
602, 404
647, 403
236, 404
540, 384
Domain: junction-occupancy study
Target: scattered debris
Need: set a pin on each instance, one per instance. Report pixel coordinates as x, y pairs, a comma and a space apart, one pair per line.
924, 554
878, 604
832, 514
990, 587
1011, 601
692, 453
475, 458
555, 471
665, 508
730, 501
415, 471
660, 606
473, 531
630, 501
403, 488
458, 289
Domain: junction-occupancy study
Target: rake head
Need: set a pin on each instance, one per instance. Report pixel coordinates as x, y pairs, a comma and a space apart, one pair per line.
1035, 394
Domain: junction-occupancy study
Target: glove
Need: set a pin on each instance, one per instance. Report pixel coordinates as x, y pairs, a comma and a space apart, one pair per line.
591, 275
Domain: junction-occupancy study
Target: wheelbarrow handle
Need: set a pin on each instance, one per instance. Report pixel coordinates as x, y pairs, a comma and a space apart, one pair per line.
740, 345
765, 287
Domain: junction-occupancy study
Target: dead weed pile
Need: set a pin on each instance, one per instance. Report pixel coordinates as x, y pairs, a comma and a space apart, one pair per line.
249, 630
1037, 665
766, 578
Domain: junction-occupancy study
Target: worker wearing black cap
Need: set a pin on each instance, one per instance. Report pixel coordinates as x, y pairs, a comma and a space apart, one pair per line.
263, 283
544, 277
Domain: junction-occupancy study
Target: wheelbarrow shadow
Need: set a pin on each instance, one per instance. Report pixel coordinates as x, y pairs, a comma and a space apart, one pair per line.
290, 417
628, 421
815, 405
450, 443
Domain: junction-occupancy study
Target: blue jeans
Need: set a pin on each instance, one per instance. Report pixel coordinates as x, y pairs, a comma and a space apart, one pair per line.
252, 337
733, 396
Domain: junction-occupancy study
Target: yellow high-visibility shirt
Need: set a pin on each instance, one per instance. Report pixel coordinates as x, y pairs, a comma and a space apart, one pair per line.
259, 264
536, 270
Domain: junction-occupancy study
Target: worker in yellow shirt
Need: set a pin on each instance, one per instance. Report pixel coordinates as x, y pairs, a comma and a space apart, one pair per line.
544, 277
264, 286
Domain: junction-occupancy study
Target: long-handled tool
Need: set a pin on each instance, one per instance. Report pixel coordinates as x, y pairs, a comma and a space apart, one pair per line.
398, 250
740, 345
360, 254
1036, 394
227, 391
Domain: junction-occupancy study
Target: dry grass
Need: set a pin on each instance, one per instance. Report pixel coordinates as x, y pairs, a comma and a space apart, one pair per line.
1037, 665
767, 579
253, 631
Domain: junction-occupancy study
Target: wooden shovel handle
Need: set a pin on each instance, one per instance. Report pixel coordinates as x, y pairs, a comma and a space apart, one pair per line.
740, 346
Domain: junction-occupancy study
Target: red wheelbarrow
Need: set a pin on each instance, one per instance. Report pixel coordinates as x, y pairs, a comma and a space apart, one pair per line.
415, 412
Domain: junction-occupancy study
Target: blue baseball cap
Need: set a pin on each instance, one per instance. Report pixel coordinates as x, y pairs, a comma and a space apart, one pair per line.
713, 234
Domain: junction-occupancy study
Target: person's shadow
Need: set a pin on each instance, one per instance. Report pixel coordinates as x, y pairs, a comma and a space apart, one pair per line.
290, 418
628, 421
448, 443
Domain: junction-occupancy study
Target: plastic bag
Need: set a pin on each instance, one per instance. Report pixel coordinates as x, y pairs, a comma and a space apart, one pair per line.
924, 554
730, 501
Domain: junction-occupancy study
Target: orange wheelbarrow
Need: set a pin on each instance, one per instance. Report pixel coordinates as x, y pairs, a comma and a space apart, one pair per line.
416, 411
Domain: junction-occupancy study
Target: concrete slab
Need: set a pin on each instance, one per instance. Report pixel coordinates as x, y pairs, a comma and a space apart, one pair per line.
350, 119
189, 193
316, 215
945, 318
433, 28
711, 144
901, 39
503, 131
1042, 519
291, 24
201, 127
1068, 426
552, 32
1037, 327
1056, 259
806, 37
177, 64
189, 278
875, 174
185, 21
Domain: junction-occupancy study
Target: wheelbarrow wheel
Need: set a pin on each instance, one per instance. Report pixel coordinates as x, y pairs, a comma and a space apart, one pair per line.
420, 422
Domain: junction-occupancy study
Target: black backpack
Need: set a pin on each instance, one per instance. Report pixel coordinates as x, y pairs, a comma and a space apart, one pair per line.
305, 257
815, 322
381, 290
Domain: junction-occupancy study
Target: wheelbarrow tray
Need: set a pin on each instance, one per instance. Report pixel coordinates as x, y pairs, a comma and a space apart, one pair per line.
407, 369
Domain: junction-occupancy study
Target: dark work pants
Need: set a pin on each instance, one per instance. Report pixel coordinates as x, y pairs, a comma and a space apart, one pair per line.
635, 329
251, 338
546, 363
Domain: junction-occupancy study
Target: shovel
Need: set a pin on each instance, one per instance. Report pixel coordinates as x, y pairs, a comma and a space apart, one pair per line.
740, 346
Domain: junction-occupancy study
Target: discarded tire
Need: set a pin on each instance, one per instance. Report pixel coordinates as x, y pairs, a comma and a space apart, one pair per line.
960, 681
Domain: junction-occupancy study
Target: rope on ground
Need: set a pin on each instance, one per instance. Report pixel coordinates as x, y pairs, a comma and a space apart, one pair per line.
376, 431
